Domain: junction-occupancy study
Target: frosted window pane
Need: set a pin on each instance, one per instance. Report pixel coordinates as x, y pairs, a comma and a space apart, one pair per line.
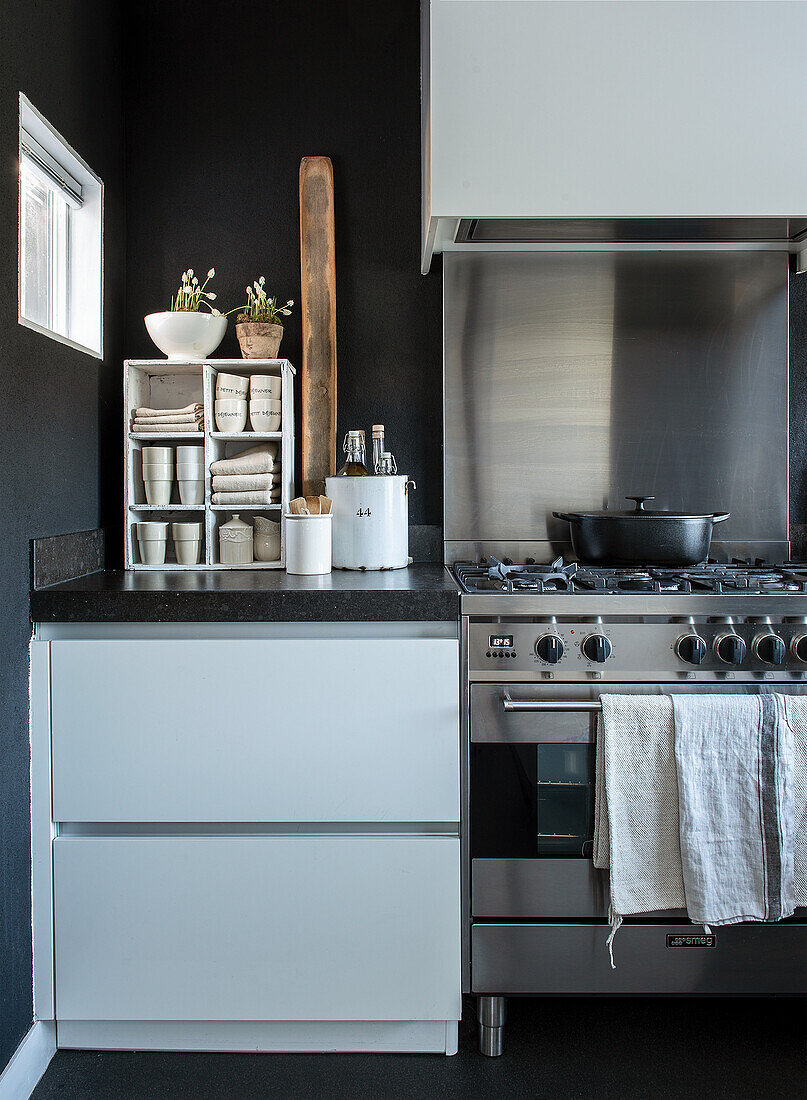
34, 248
44, 239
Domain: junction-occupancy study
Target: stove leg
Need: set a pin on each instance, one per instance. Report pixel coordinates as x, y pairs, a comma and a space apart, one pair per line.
492, 1014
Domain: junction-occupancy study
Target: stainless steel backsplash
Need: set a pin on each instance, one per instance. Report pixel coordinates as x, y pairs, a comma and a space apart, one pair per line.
573, 380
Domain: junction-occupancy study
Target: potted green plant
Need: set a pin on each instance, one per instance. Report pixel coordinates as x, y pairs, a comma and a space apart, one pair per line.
184, 332
259, 325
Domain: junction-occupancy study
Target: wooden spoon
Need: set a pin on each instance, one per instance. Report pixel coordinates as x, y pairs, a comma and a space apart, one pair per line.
325, 506
313, 505
299, 507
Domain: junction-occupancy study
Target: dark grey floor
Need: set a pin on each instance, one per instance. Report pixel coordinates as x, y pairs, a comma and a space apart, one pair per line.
567, 1049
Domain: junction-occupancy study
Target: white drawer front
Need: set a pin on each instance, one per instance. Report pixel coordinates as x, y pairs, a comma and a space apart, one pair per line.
257, 928
330, 730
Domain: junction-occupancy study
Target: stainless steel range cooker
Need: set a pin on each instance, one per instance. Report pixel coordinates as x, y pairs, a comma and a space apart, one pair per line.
540, 643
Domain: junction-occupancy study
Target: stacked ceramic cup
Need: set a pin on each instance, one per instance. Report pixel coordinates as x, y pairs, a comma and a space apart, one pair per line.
158, 474
264, 402
151, 540
231, 402
191, 474
187, 542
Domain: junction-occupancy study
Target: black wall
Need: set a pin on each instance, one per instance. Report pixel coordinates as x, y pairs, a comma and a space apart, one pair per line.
66, 56
213, 152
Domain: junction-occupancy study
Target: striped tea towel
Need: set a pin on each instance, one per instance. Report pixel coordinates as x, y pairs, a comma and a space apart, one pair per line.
734, 762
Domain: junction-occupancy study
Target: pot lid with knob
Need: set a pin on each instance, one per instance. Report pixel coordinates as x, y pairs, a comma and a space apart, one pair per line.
640, 513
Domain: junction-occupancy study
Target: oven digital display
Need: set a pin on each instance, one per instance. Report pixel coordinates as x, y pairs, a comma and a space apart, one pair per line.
500, 641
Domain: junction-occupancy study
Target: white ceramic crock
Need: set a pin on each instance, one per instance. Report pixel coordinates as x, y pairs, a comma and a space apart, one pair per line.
370, 521
308, 545
266, 539
185, 337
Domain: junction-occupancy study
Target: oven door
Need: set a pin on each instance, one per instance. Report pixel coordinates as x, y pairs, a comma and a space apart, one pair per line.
532, 798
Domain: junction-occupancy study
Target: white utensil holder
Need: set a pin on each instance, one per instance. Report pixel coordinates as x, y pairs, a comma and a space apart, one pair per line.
308, 545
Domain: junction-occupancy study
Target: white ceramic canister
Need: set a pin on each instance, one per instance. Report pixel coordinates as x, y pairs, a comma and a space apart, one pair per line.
370, 521
308, 545
235, 542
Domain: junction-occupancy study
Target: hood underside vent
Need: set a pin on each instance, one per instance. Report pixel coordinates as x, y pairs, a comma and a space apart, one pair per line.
507, 231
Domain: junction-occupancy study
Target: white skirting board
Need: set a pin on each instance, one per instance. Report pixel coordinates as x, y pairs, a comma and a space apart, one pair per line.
28, 1062
325, 1037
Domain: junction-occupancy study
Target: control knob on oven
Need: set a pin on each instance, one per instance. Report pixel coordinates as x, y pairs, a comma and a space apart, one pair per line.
798, 647
550, 648
770, 649
596, 647
691, 648
730, 648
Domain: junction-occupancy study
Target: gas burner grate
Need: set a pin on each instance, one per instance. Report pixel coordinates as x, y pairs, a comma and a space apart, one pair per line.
532, 577
739, 576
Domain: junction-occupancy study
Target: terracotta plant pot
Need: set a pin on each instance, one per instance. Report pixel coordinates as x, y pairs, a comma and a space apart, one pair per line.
258, 340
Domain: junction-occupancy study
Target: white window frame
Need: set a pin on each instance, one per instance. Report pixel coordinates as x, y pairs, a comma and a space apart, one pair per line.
85, 290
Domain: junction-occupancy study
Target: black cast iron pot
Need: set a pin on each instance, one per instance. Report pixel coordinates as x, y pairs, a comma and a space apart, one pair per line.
641, 537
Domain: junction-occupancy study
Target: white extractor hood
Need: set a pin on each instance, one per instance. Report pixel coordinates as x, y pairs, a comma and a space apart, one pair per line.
552, 124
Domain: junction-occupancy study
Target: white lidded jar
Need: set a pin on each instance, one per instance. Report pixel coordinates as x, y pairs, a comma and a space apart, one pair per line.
235, 542
370, 521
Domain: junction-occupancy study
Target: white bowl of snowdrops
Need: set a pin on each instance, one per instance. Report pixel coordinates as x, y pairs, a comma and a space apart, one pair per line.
185, 332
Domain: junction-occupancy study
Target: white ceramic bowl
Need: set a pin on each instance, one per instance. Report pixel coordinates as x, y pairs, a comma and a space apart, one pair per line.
231, 387
231, 416
264, 387
264, 415
186, 337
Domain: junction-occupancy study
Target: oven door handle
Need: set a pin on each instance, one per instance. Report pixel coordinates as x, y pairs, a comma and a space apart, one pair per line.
549, 704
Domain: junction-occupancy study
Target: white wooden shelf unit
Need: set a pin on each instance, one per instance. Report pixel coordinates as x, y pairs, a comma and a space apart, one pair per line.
158, 384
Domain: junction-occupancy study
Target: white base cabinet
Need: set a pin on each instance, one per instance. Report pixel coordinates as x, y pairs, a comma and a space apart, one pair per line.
297, 730
247, 844
257, 928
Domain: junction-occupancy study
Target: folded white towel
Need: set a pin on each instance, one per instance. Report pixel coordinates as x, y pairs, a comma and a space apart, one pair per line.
166, 428
194, 408
176, 418
241, 483
636, 830
256, 497
261, 459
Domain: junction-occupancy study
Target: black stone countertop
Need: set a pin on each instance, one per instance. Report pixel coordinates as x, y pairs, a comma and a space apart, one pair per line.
423, 592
